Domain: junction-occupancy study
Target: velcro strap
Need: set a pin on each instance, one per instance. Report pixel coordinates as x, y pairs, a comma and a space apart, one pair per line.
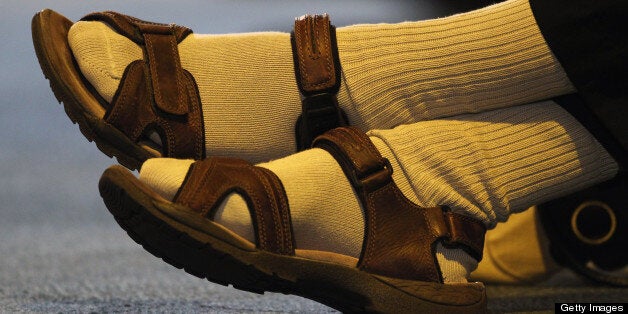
315, 52
123, 24
211, 180
165, 71
160, 43
128, 25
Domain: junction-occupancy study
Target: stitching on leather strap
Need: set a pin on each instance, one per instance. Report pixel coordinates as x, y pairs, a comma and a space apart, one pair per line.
314, 53
361, 161
166, 97
166, 71
317, 71
211, 180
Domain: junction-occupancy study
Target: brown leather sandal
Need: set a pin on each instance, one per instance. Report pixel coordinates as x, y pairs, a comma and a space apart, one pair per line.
157, 96
396, 272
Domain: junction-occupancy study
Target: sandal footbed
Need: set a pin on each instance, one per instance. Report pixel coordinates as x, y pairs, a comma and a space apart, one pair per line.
209, 251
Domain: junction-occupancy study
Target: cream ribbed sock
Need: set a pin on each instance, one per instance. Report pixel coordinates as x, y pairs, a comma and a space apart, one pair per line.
484, 165
492, 164
490, 58
392, 74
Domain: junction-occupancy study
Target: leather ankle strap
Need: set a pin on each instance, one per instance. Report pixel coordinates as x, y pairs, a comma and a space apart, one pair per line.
317, 69
400, 236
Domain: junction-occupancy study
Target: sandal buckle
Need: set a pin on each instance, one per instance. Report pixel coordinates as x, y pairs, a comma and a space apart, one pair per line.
374, 179
320, 114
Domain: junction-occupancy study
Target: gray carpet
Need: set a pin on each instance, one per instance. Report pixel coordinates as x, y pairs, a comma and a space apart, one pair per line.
61, 251
81, 266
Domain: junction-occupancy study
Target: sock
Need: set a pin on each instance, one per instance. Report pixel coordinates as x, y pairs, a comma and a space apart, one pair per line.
485, 165
485, 59
392, 74
499, 162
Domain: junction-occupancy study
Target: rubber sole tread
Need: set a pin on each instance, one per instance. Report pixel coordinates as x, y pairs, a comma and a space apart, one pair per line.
145, 230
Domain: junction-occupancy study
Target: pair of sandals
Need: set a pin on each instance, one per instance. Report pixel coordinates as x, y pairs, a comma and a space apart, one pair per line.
397, 270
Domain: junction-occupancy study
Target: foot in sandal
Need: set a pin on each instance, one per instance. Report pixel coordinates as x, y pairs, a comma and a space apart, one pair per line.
398, 269
329, 224
239, 94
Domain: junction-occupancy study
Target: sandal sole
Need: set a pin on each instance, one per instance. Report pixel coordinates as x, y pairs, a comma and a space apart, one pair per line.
209, 252
79, 99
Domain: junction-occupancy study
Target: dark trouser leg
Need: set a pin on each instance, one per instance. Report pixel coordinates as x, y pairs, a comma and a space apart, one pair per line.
588, 37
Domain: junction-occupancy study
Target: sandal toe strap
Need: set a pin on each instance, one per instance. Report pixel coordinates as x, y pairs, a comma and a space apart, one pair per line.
159, 42
210, 181
156, 94
400, 237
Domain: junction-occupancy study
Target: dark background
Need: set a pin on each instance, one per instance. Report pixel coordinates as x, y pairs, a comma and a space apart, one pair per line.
61, 251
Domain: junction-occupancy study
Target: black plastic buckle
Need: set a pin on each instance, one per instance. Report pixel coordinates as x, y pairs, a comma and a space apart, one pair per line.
320, 113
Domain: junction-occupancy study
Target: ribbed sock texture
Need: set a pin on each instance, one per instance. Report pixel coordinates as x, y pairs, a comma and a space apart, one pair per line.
485, 59
492, 164
392, 74
249, 93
